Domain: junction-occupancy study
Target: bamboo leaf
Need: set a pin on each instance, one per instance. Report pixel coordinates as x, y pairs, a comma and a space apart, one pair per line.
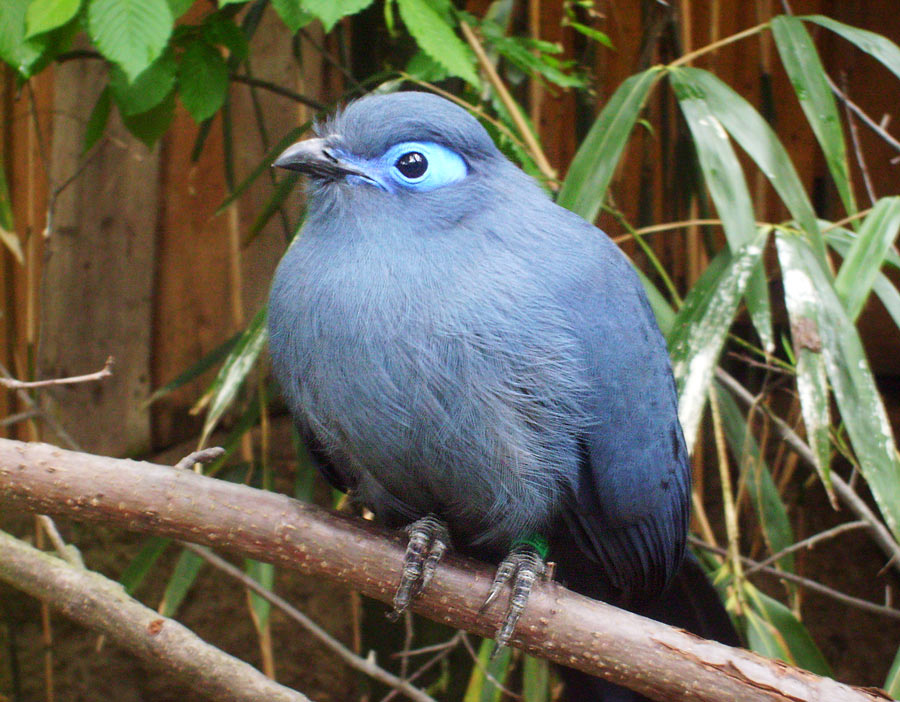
141, 564
264, 574
8, 236
851, 378
866, 255
488, 668
812, 384
807, 74
892, 681
766, 501
702, 324
234, 372
727, 186
535, 679
755, 136
187, 568
877, 46
584, 189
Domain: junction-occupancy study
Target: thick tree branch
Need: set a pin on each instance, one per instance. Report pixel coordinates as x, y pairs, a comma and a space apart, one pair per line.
659, 661
103, 605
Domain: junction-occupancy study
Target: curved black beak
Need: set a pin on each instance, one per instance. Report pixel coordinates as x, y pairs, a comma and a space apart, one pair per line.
314, 158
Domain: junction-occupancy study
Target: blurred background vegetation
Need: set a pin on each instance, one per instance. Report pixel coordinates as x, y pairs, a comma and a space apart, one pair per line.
743, 154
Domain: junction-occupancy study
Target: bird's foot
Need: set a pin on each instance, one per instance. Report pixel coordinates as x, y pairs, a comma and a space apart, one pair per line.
428, 541
522, 566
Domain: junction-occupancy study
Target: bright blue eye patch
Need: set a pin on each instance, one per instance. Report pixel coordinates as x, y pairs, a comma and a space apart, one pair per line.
424, 165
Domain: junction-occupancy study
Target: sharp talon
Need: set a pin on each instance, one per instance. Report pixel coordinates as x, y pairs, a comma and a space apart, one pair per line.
428, 541
523, 566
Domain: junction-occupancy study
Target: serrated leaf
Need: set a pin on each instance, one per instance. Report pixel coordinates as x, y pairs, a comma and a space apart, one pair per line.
234, 371
220, 30
151, 125
436, 37
44, 15
702, 324
97, 120
807, 75
179, 7
130, 33
147, 90
202, 80
877, 46
754, 135
863, 261
852, 382
584, 189
328, 12
292, 14
183, 577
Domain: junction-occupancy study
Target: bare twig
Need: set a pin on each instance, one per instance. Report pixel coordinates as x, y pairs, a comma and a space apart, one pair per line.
345, 654
102, 605
863, 117
202, 456
19, 417
537, 153
105, 372
45, 416
64, 550
807, 543
279, 90
857, 148
842, 597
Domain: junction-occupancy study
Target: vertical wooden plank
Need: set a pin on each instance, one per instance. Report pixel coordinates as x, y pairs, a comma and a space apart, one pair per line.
98, 274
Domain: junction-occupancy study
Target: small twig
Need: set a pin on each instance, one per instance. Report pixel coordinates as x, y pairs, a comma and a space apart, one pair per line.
442, 651
807, 543
857, 149
54, 424
846, 599
65, 551
19, 417
357, 662
690, 56
105, 372
864, 118
537, 153
202, 456
279, 90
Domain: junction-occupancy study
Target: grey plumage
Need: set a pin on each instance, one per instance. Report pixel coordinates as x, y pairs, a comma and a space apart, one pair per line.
478, 353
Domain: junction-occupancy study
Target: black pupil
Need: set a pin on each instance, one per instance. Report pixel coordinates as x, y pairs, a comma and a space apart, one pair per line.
412, 165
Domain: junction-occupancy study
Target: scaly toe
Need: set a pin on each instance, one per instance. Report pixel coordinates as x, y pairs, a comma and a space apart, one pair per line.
428, 541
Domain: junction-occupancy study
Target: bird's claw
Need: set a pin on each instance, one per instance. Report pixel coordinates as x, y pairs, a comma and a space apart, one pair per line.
428, 541
523, 565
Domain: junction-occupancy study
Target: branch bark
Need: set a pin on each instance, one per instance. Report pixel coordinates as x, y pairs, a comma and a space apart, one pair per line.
658, 661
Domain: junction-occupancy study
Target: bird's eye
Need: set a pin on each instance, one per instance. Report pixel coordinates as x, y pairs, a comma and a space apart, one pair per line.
413, 165
422, 166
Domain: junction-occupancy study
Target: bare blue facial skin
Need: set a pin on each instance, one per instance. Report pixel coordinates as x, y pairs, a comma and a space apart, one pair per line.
450, 342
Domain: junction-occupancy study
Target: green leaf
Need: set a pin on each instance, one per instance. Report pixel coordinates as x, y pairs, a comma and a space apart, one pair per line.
584, 189
284, 188
766, 501
755, 136
851, 378
187, 568
151, 125
264, 574
877, 46
220, 30
435, 36
863, 261
777, 633
535, 679
141, 564
812, 383
147, 90
892, 681
44, 15
702, 324
801, 61
131, 33
481, 687
8, 236
328, 12
234, 371
202, 80
196, 370
20, 53
97, 120
179, 7
591, 33
292, 14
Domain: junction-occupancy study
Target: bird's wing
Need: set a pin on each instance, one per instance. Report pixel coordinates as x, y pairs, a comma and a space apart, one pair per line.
630, 506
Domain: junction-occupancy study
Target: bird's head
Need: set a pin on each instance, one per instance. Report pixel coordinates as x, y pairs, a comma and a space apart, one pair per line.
398, 148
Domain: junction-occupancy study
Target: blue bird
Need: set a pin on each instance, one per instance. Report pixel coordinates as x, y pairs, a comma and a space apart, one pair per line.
479, 365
